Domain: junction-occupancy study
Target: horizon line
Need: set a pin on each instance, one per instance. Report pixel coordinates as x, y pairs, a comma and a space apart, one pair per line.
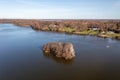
61, 19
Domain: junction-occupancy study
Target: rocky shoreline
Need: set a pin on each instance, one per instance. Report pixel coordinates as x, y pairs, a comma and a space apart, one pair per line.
100, 28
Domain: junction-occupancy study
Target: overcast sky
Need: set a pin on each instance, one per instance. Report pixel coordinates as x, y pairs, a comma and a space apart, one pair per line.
60, 9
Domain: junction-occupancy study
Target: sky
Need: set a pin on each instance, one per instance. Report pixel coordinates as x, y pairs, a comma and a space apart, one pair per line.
60, 9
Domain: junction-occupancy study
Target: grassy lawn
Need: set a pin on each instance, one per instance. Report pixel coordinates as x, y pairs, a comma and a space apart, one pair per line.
69, 30
92, 32
89, 32
113, 35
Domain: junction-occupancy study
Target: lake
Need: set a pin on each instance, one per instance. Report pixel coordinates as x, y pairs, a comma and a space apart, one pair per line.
21, 56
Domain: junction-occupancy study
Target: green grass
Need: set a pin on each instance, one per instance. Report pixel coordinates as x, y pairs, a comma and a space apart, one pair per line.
82, 33
69, 30
109, 35
113, 35
89, 32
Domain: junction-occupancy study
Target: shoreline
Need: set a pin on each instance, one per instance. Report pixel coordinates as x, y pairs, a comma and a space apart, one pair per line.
102, 28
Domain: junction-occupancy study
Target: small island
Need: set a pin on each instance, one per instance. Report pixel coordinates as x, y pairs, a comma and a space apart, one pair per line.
60, 50
101, 28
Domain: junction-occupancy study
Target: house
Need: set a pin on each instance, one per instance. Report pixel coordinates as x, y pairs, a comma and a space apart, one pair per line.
94, 28
55, 25
111, 32
103, 32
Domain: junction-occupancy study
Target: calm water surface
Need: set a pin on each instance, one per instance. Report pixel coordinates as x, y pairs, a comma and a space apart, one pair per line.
21, 56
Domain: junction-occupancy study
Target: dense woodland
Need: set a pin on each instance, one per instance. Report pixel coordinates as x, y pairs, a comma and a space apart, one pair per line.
68, 26
59, 25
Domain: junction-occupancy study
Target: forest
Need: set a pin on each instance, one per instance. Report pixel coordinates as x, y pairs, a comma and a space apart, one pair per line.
102, 28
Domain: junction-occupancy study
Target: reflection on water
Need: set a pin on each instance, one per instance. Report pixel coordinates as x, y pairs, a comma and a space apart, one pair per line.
59, 60
21, 56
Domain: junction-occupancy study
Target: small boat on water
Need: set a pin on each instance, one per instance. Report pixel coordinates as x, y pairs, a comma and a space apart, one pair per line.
107, 46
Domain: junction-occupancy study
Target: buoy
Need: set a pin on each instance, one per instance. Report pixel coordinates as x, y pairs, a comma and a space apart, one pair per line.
107, 46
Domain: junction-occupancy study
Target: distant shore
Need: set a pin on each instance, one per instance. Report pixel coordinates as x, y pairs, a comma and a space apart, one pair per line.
106, 28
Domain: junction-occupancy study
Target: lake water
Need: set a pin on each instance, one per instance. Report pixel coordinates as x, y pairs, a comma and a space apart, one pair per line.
21, 56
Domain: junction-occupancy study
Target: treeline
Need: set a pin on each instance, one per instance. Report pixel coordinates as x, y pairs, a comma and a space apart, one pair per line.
62, 25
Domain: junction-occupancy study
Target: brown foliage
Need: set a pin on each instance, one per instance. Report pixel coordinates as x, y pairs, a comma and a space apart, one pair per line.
59, 25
